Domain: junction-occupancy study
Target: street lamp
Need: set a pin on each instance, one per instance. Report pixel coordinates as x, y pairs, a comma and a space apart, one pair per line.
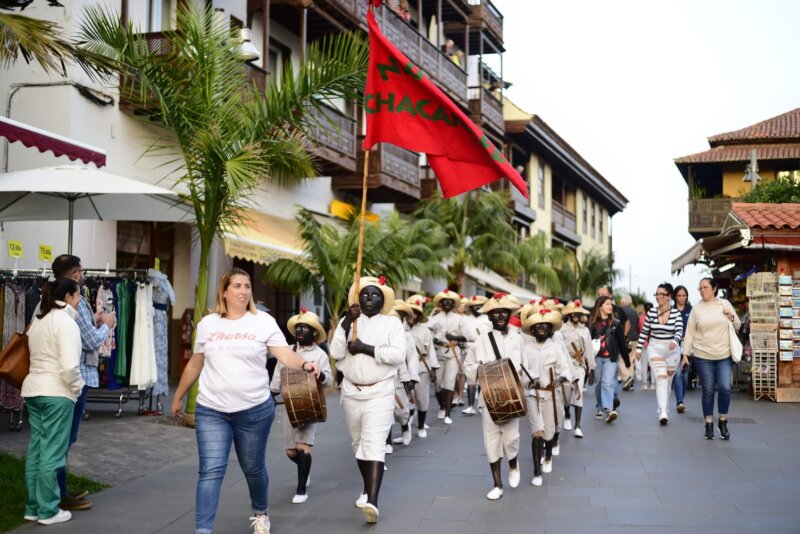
247, 51
751, 171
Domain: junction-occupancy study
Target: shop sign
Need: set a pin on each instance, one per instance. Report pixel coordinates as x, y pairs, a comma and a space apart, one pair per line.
15, 249
45, 252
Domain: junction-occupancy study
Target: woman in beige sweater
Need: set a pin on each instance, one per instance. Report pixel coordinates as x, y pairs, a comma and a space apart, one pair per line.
707, 338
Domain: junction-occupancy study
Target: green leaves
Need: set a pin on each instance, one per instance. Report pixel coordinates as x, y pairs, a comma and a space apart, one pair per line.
581, 278
784, 189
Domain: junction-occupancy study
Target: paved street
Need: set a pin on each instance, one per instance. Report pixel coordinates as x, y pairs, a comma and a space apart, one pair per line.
633, 477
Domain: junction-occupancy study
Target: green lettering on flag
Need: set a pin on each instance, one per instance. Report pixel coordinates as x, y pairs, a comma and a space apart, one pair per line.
407, 106
383, 69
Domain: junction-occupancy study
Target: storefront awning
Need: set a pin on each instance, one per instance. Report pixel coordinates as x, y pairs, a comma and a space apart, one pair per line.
707, 248
43, 140
494, 282
263, 238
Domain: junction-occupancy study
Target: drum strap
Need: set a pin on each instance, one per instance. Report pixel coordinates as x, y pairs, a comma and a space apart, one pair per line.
494, 346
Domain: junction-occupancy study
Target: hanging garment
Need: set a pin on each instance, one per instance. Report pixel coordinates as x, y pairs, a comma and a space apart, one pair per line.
13, 321
124, 311
163, 295
143, 358
32, 297
104, 302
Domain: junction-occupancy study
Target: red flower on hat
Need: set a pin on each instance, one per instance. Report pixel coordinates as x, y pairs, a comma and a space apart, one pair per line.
427, 300
382, 280
577, 302
532, 301
555, 300
498, 296
474, 297
419, 302
544, 311
461, 296
303, 310
514, 321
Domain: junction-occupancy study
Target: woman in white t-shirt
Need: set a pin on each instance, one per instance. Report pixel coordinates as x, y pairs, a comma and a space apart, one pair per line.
234, 405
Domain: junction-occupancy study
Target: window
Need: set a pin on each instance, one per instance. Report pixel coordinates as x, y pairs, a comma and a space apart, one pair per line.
158, 15
540, 184
594, 219
600, 225
585, 215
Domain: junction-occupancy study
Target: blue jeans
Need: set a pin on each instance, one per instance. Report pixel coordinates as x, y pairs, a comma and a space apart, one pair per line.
681, 384
605, 383
716, 377
248, 430
77, 416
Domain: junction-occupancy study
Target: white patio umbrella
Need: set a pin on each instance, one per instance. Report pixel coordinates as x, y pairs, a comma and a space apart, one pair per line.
40, 195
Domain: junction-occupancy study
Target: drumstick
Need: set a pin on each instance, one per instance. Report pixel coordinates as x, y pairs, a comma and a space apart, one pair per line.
458, 360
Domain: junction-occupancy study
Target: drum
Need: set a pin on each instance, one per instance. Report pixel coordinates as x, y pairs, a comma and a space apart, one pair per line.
502, 391
303, 397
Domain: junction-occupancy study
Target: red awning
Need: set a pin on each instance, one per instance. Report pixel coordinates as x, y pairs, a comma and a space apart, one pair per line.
44, 141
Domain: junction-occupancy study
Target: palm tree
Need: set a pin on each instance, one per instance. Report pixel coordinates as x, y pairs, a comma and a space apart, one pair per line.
478, 232
581, 278
42, 41
229, 135
539, 261
393, 248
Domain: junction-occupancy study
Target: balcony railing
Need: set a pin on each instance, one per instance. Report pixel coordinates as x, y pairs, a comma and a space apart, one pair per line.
486, 108
707, 215
486, 15
335, 138
393, 175
564, 222
521, 205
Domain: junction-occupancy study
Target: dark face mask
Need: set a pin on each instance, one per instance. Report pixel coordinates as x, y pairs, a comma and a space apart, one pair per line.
474, 310
542, 332
447, 305
403, 317
499, 318
304, 334
371, 301
575, 318
413, 319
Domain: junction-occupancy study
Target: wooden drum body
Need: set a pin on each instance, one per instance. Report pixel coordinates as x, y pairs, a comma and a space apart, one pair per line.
502, 391
303, 397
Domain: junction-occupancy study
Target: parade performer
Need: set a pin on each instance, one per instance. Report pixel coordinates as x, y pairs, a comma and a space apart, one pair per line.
428, 363
308, 332
448, 331
476, 324
548, 367
578, 342
407, 376
500, 440
369, 363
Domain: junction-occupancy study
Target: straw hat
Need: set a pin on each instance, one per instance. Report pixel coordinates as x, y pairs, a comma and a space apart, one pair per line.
380, 283
400, 306
500, 301
309, 318
446, 294
526, 310
417, 303
543, 315
476, 300
574, 306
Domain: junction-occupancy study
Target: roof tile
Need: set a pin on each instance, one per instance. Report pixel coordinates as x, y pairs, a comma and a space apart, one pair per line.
722, 154
784, 127
769, 216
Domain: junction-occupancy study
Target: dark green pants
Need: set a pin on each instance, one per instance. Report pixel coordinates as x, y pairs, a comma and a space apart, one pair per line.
50, 419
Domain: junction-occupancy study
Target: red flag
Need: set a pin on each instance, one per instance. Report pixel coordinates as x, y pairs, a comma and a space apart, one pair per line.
405, 108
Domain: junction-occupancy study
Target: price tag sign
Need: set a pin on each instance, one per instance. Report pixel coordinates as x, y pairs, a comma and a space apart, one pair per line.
45, 252
15, 249
157, 265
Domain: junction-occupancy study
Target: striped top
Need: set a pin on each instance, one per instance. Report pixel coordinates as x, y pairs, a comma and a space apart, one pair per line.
652, 329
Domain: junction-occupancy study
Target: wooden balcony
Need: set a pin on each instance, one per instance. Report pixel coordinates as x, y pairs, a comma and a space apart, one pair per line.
334, 137
393, 175
486, 17
564, 223
707, 215
521, 205
486, 109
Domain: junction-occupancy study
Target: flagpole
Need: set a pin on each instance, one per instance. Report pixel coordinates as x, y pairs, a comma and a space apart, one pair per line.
362, 221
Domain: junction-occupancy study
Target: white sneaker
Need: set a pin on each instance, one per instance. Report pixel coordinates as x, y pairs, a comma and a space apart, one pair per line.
371, 513
513, 477
31, 518
389, 449
60, 517
397, 440
440, 415
547, 467
406, 439
422, 433
299, 499
567, 424
468, 411
448, 421
426, 426
537, 481
644, 387
557, 450
361, 501
260, 524
578, 433
495, 494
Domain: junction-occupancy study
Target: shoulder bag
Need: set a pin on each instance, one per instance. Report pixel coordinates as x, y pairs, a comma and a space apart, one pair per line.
15, 360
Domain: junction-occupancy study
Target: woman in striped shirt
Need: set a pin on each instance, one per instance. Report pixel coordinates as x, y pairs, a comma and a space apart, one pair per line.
663, 331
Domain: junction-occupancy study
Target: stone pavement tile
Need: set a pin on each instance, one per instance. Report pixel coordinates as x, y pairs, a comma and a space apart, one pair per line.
636, 516
582, 515
448, 527
502, 527
791, 510
565, 527
679, 495
624, 501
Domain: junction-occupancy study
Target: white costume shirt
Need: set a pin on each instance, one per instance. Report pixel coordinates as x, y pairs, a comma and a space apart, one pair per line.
475, 326
541, 358
386, 334
442, 324
409, 371
311, 353
509, 346
581, 338
423, 340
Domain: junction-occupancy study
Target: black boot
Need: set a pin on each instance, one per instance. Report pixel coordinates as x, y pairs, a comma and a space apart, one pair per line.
536, 450
578, 412
440, 398
303, 469
362, 468
497, 490
709, 430
471, 395
566, 412
448, 402
374, 480
421, 420
723, 430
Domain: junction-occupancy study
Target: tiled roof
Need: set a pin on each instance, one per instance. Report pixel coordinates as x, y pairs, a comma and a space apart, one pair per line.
722, 154
768, 216
785, 127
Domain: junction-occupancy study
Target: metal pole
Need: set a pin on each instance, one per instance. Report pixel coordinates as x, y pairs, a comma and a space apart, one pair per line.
71, 215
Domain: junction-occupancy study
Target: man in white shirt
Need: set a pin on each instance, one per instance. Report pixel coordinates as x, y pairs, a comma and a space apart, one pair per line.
448, 331
368, 360
428, 363
476, 323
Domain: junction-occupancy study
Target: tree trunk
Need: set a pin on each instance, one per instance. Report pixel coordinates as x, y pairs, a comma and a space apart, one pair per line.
200, 293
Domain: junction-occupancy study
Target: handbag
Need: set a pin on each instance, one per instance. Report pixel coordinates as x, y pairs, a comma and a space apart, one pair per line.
736, 345
15, 360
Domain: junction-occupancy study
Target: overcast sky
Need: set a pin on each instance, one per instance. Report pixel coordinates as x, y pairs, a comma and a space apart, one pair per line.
633, 84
